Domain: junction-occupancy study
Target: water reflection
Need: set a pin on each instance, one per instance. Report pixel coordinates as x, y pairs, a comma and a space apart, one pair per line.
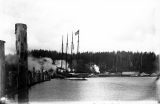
23, 97
94, 89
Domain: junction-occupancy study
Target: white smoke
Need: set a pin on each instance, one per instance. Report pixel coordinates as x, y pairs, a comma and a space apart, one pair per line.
11, 59
33, 64
38, 63
95, 68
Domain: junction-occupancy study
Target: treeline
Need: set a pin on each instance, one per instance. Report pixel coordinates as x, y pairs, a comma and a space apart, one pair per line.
107, 61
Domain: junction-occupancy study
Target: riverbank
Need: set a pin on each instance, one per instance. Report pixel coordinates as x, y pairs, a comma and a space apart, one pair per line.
120, 75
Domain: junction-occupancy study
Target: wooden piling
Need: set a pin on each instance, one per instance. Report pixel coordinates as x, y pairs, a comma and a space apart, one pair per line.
2, 69
21, 49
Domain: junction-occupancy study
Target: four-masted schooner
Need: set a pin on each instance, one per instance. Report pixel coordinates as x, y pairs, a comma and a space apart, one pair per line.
64, 72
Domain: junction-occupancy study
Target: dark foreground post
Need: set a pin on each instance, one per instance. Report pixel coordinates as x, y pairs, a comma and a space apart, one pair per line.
2, 69
21, 49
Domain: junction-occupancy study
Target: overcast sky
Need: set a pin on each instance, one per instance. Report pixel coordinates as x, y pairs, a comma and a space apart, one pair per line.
105, 25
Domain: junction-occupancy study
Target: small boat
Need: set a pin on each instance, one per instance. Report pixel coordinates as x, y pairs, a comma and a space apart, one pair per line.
75, 78
62, 73
79, 75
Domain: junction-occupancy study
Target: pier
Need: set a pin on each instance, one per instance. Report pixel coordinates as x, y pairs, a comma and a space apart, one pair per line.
17, 79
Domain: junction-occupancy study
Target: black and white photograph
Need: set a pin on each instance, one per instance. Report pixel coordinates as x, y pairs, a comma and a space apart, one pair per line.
79, 51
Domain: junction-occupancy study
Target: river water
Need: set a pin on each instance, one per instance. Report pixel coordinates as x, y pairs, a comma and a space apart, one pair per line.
95, 89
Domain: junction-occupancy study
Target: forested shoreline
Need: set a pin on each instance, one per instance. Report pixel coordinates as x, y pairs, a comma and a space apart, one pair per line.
119, 61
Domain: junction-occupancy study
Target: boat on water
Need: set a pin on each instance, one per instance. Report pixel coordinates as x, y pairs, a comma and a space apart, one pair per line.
79, 75
62, 72
77, 79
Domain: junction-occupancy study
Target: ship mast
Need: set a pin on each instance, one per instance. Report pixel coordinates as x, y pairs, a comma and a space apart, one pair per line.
62, 52
78, 43
77, 33
72, 47
66, 51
